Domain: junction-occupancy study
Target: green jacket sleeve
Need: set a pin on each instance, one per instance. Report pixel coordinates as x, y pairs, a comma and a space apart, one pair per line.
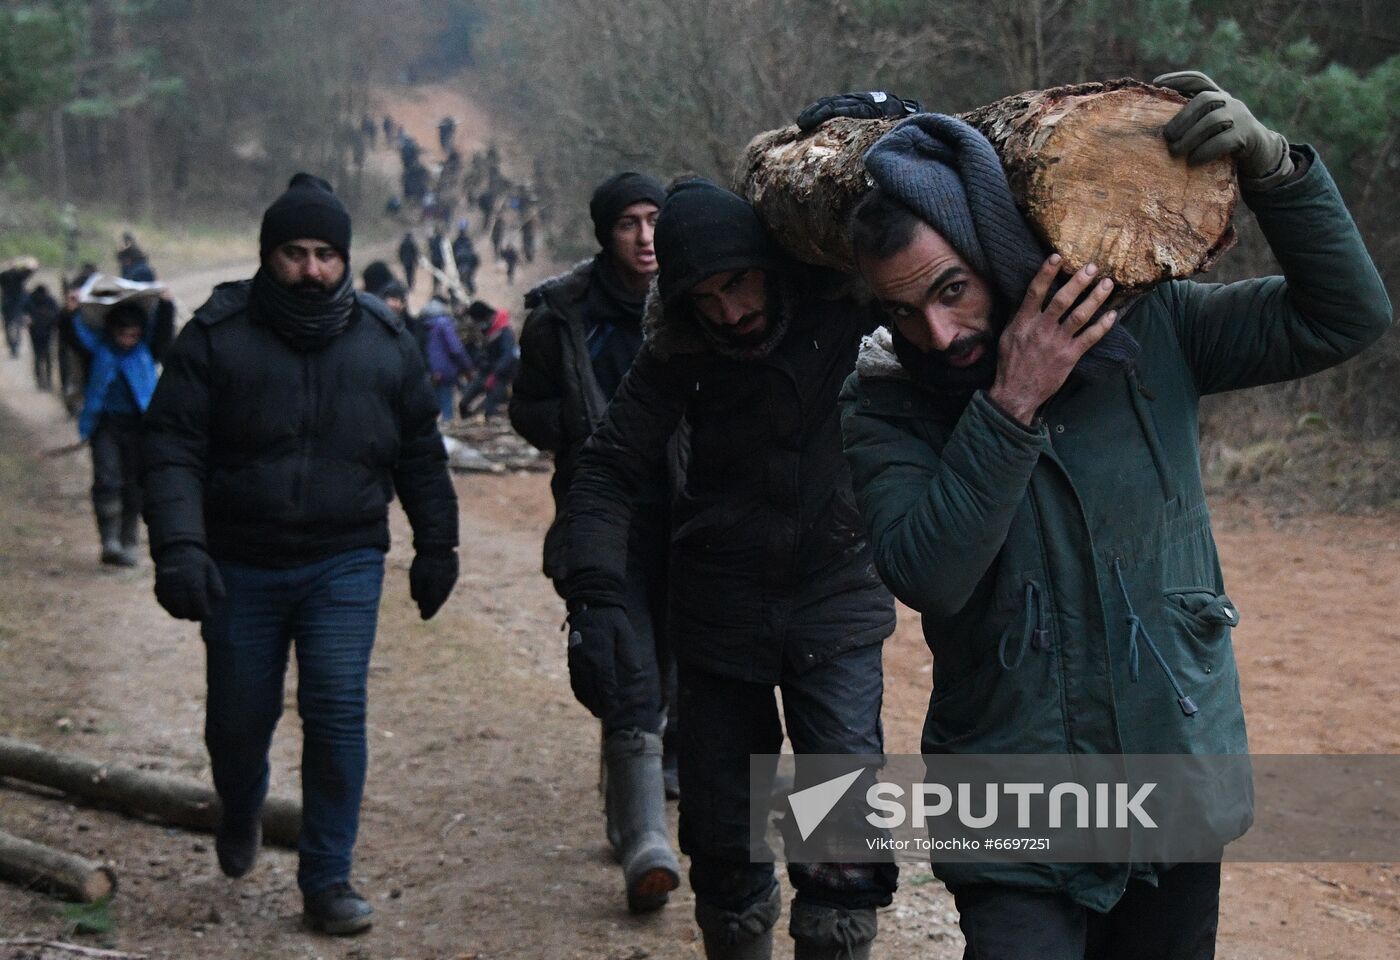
937, 520
1328, 305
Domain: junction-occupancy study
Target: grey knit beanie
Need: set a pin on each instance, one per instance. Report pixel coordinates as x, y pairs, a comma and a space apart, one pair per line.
949, 175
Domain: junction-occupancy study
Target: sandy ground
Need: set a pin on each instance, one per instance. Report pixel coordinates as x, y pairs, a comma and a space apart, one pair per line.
481, 834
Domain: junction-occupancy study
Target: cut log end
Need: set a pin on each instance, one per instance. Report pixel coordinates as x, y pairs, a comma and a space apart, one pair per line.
1104, 189
55, 871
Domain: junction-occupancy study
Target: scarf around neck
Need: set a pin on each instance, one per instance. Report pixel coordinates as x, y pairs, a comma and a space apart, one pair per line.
306, 322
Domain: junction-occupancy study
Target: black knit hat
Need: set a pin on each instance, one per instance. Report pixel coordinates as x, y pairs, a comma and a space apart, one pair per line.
704, 230
308, 209
615, 195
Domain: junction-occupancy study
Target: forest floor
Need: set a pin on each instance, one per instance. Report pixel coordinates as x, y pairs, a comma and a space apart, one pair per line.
481, 834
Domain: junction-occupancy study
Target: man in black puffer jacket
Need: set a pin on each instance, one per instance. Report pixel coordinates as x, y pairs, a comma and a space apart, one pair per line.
772, 582
290, 412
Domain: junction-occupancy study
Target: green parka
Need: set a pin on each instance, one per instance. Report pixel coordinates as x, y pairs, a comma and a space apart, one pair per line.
1067, 576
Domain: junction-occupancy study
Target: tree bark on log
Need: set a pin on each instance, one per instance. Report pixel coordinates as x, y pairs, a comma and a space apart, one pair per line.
176, 800
1086, 163
30, 864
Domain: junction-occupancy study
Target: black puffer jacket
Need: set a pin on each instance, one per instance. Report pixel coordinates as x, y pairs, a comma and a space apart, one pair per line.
276, 457
770, 569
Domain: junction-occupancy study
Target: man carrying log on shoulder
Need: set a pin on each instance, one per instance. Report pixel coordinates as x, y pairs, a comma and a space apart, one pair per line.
771, 578
1028, 471
291, 410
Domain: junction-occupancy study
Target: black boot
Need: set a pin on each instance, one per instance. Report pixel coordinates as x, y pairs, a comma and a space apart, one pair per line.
742, 935
829, 933
236, 845
338, 910
638, 803
131, 538
109, 521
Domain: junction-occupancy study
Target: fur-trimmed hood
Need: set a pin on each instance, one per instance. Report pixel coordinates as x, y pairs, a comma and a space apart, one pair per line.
571, 285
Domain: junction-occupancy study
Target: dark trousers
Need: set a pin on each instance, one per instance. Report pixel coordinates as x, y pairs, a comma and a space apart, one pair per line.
329, 608
645, 669
14, 330
116, 467
831, 708
1175, 920
496, 394
43, 359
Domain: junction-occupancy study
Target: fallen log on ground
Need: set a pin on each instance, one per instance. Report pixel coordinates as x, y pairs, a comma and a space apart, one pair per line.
68, 875
176, 800
1087, 164
45, 948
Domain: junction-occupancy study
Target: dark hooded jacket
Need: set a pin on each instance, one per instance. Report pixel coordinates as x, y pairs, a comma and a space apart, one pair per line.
277, 457
770, 569
557, 400
1066, 573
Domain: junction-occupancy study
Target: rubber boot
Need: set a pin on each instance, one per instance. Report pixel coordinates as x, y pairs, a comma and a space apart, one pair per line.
109, 521
670, 763
131, 538
611, 826
634, 794
830, 933
746, 935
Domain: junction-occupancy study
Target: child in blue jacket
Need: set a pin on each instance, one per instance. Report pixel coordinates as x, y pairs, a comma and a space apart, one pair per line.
122, 376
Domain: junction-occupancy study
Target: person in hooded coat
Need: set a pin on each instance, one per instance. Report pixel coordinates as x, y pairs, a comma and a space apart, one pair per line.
1027, 464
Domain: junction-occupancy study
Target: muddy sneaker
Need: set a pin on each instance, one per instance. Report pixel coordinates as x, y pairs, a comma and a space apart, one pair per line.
338, 910
237, 847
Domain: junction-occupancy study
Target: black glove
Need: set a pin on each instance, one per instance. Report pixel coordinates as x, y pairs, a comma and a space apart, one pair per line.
1215, 123
188, 584
594, 636
858, 106
431, 578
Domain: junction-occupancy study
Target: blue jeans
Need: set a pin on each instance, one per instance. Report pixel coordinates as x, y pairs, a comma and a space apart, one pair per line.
446, 397
330, 609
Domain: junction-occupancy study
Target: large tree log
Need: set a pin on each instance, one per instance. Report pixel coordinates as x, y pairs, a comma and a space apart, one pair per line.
172, 799
54, 871
1087, 164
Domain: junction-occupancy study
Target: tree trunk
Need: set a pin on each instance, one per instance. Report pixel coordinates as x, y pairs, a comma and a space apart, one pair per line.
1086, 163
54, 871
176, 800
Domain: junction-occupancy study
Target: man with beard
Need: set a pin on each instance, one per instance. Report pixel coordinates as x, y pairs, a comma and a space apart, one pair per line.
290, 411
1029, 471
771, 582
582, 334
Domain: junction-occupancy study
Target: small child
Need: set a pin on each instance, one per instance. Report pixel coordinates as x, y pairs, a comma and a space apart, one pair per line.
122, 377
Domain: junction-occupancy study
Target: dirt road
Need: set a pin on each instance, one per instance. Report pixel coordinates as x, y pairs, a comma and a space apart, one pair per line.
481, 834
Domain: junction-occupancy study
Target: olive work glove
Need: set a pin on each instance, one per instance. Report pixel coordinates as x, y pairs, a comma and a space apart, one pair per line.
1215, 123
858, 106
431, 577
188, 584
595, 633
